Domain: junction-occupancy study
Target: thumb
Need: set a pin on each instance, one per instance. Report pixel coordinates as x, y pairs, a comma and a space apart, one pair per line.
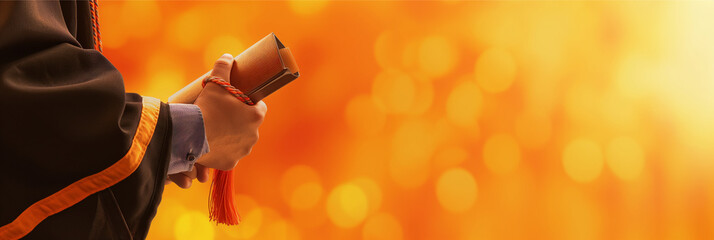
222, 67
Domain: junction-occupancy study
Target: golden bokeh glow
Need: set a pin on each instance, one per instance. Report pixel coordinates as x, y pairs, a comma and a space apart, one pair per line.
382, 226
307, 7
533, 131
625, 158
372, 191
413, 146
282, 230
388, 50
501, 153
456, 190
193, 225
495, 70
464, 104
347, 205
394, 91
164, 82
306, 195
250, 225
190, 21
437, 56
583, 160
301, 187
220, 45
169, 211
141, 17
449, 119
450, 157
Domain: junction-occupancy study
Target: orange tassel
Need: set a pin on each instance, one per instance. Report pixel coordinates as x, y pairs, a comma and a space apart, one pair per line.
221, 206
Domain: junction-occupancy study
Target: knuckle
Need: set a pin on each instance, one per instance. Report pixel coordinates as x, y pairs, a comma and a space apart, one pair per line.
262, 106
247, 151
257, 116
229, 164
252, 141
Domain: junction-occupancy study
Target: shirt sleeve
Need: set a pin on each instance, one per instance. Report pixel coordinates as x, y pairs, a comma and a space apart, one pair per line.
188, 139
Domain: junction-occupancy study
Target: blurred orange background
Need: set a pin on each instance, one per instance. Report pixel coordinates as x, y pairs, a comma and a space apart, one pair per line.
450, 119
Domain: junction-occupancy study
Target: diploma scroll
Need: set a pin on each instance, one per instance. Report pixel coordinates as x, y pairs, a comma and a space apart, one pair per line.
258, 71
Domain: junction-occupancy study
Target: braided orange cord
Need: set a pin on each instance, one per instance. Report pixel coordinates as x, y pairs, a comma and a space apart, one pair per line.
95, 25
230, 88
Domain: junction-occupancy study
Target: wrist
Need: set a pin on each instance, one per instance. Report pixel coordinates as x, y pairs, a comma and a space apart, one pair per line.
188, 137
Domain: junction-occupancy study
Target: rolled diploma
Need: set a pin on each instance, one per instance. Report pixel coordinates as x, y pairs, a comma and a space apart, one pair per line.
262, 61
190, 92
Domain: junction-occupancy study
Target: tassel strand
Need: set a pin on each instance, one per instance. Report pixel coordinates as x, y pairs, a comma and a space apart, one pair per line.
221, 205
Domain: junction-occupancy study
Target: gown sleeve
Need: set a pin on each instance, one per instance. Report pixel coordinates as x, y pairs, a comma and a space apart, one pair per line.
68, 130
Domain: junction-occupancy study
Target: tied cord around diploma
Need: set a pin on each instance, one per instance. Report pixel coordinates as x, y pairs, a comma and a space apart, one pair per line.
230, 88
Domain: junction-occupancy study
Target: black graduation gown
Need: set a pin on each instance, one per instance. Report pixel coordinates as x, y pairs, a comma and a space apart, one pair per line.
79, 157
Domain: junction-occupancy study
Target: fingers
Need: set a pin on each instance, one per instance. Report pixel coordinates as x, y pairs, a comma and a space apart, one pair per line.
202, 173
181, 180
190, 174
262, 107
254, 114
222, 67
184, 179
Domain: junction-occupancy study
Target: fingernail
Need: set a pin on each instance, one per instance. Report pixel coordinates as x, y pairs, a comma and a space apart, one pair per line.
227, 55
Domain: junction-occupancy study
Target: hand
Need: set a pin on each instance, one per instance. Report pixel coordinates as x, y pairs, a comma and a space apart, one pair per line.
231, 125
184, 179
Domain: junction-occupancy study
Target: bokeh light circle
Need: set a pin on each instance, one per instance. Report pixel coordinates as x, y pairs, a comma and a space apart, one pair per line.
387, 48
412, 148
424, 96
394, 91
533, 131
193, 22
382, 226
372, 190
456, 190
252, 218
501, 153
306, 195
495, 70
251, 223
625, 157
193, 225
163, 83
142, 17
449, 157
347, 205
311, 7
282, 229
168, 212
464, 104
220, 45
437, 56
301, 187
583, 160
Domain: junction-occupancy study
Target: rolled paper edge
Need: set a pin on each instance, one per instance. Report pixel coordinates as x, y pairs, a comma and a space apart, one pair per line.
190, 92
289, 60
